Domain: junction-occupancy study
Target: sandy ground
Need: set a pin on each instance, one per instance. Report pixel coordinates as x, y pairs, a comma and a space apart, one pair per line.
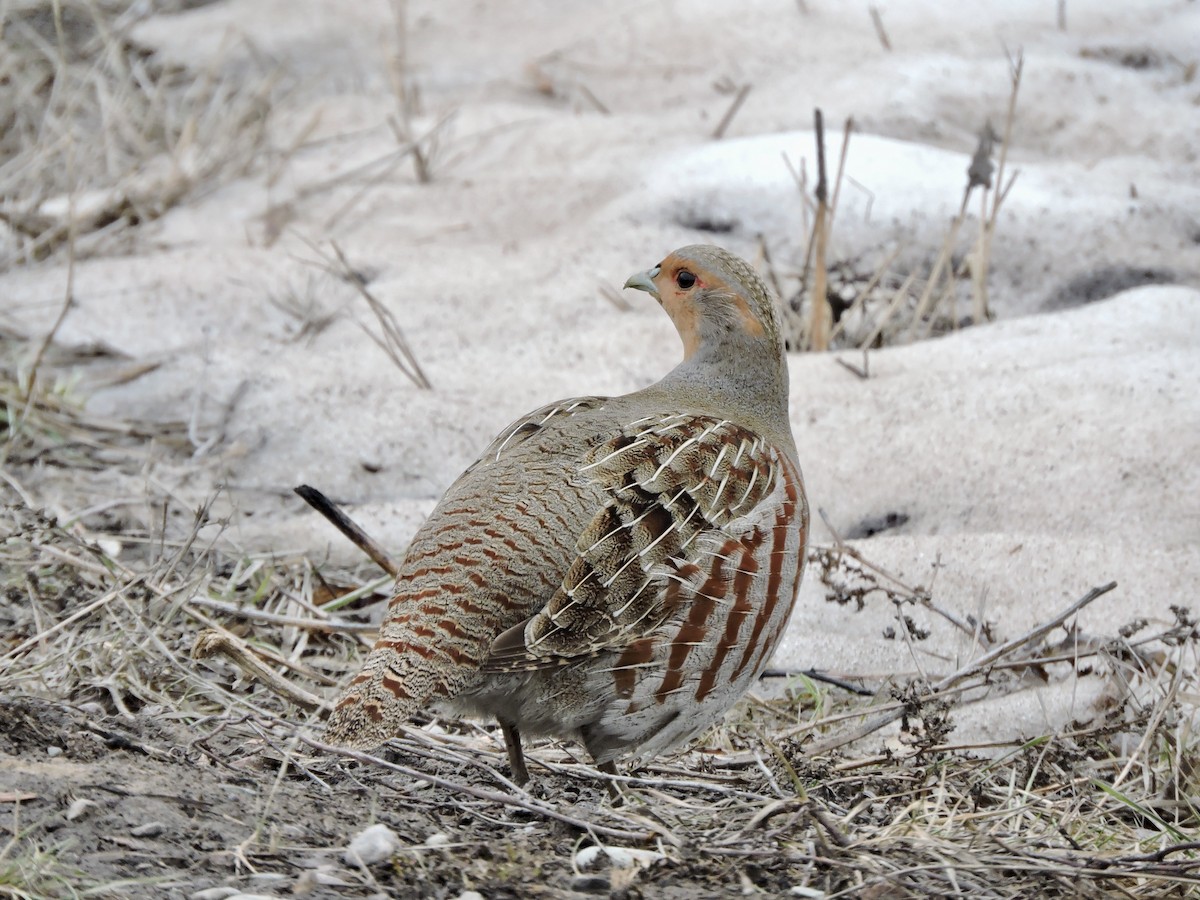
1035, 458
1021, 463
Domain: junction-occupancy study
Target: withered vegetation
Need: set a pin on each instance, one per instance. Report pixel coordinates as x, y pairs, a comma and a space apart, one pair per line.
162, 695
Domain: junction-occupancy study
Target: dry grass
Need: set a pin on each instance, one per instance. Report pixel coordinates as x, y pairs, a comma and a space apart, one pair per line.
800, 789
870, 301
98, 135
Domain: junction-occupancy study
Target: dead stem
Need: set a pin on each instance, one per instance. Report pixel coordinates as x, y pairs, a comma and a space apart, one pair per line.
968, 670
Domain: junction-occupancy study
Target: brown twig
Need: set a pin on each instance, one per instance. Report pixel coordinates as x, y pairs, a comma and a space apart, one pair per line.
864, 373
213, 642
348, 527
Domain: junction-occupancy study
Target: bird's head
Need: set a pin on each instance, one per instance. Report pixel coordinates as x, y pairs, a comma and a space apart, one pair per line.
713, 297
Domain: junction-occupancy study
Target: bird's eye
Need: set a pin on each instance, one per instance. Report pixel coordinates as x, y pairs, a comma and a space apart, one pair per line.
685, 279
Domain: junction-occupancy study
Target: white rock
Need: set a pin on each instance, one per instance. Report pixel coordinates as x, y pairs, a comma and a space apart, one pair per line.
372, 845
111, 547
438, 839
620, 857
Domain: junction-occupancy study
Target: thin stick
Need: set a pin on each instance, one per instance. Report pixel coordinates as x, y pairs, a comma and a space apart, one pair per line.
769, 265
847, 130
880, 31
924, 305
815, 675
738, 100
892, 308
332, 626
862, 373
983, 260
393, 342
863, 295
212, 642
349, 528
594, 100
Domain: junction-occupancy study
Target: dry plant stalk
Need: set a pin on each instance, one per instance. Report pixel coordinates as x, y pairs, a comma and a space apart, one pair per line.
979, 175
988, 217
818, 330
423, 148
820, 322
392, 340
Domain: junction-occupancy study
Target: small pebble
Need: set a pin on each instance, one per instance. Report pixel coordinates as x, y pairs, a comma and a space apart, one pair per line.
592, 858
438, 839
150, 829
54, 751
471, 895
372, 845
214, 893
112, 548
78, 808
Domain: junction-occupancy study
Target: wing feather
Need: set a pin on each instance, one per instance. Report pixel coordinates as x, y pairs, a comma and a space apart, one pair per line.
667, 481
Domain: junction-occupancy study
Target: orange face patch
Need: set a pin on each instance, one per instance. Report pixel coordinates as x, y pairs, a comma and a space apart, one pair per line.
680, 303
685, 309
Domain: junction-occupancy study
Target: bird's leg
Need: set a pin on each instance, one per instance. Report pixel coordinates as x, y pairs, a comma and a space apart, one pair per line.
516, 757
614, 790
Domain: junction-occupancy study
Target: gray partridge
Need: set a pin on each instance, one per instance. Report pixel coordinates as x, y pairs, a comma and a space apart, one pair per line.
614, 570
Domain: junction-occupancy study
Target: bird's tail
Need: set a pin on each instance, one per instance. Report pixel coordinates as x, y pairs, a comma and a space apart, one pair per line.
372, 709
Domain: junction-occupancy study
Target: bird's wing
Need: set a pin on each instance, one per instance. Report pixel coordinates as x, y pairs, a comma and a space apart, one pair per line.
530, 424
670, 482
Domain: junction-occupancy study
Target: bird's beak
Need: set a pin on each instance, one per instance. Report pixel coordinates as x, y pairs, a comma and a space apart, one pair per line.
644, 281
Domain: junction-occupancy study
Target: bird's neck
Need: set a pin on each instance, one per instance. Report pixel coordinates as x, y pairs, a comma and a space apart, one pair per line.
741, 378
